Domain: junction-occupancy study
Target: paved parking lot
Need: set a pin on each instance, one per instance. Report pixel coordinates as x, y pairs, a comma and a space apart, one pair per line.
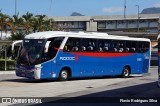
143, 86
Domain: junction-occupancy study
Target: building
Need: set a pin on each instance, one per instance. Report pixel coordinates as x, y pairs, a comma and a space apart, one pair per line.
145, 24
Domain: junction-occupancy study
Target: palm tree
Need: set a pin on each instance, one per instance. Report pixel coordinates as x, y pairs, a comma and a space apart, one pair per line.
3, 24
28, 22
38, 23
49, 25
14, 23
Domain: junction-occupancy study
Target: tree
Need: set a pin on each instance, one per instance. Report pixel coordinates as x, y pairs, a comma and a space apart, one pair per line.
14, 23
28, 22
17, 36
3, 24
38, 23
49, 25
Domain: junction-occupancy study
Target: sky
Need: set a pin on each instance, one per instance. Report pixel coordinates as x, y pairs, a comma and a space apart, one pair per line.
85, 7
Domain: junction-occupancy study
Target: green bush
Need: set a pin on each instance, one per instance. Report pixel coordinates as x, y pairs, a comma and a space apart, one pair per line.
10, 64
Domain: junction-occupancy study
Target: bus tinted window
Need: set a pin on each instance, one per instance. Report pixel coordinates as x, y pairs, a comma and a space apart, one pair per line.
131, 46
104, 45
72, 45
88, 45
118, 46
54, 46
143, 47
122, 46
115, 46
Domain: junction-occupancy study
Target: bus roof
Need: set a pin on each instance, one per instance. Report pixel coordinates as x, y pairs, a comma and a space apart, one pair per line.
51, 34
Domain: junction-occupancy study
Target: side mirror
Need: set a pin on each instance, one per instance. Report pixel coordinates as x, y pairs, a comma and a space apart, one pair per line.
15, 43
46, 47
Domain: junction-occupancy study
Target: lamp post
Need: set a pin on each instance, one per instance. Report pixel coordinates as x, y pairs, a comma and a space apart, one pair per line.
138, 17
125, 8
15, 7
50, 7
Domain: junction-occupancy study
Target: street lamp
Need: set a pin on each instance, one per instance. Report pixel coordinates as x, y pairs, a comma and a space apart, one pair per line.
125, 8
138, 17
50, 7
15, 7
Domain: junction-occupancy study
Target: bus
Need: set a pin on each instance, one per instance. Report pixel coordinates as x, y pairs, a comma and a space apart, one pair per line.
64, 55
158, 60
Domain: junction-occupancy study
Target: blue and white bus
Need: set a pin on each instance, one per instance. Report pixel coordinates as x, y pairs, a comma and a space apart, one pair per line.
158, 60
63, 55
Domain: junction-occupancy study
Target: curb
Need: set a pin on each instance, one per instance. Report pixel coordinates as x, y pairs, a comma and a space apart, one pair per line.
7, 72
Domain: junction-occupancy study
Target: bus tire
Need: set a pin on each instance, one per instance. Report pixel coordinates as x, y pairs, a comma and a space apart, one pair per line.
64, 75
126, 72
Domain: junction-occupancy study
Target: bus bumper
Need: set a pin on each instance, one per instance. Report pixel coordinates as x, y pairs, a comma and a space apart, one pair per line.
32, 72
25, 73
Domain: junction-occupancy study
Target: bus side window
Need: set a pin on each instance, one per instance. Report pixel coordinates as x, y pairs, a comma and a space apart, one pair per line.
134, 46
54, 46
146, 46
88, 44
100, 46
143, 47
106, 46
84, 45
121, 46
76, 46
72, 45
115, 46
140, 47
128, 46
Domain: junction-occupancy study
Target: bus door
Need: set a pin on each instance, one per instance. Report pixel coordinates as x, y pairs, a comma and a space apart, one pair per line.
159, 62
50, 51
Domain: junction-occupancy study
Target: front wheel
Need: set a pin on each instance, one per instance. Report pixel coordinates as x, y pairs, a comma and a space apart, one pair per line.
64, 75
126, 72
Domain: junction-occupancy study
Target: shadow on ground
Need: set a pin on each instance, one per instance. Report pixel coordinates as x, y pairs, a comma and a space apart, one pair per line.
142, 92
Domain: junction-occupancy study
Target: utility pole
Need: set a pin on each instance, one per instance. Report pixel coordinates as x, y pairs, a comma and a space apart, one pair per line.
15, 7
125, 8
138, 17
50, 8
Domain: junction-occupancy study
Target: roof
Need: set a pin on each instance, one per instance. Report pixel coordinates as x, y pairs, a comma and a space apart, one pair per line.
101, 18
50, 34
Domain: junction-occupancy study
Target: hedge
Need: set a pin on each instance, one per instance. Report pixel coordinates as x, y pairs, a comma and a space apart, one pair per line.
10, 64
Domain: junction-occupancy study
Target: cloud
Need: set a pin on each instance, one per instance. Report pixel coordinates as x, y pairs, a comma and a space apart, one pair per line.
157, 4
112, 9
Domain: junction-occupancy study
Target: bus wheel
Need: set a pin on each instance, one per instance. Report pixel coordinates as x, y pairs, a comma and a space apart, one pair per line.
126, 72
64, 75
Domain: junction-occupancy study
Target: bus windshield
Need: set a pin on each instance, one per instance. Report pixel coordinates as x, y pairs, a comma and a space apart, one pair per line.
31, 51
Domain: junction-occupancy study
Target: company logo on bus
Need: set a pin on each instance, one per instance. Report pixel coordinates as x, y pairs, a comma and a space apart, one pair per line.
69, 58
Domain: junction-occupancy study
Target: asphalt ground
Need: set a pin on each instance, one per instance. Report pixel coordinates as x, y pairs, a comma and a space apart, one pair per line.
87, 91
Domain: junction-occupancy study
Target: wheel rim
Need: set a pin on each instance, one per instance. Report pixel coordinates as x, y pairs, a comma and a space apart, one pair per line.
126, 72
64, 75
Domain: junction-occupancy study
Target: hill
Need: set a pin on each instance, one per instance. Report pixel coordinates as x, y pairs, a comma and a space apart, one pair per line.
76, 14
154, 10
